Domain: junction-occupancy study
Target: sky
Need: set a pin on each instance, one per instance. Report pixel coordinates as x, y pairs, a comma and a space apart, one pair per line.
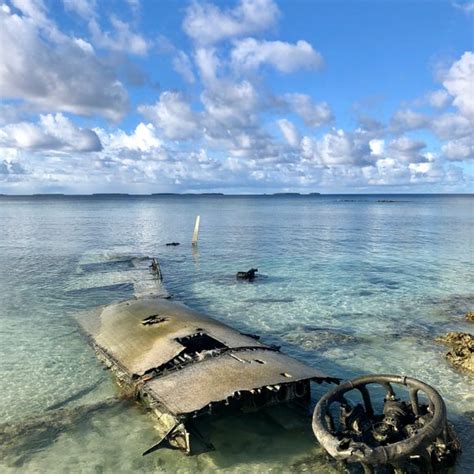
242, 96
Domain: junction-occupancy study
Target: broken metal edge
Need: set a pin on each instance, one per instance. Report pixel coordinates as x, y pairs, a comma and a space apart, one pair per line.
151, 387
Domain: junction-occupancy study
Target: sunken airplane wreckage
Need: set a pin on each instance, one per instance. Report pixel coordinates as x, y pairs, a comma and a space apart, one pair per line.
184, 366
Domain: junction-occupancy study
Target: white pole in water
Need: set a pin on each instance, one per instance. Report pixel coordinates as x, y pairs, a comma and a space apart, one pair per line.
196, 230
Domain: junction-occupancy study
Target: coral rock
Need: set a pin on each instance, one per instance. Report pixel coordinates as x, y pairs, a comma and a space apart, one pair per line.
469, 316
461, 353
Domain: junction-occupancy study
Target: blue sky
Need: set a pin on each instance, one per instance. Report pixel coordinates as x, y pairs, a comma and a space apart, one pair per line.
246, 96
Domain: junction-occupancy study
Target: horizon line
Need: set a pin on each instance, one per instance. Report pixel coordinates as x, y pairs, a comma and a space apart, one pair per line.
217, 194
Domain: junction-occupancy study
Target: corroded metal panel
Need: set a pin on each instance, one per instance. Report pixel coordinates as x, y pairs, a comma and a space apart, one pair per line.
219, 378
142, 334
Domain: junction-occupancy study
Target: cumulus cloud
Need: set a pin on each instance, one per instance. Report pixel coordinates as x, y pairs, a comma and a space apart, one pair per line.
459, 82
313, 114
206, 23
121, 38
459, 150
285, 57
182, 65
42, 66
84, 8
336, 148
144, 139
451, 125
405, 120
290, 132
438, 99
172, 114
207, 63
51, 133
232, 132
377, 146
404, 149
9, 169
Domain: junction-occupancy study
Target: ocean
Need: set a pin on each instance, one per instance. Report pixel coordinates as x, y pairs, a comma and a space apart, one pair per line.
350, 284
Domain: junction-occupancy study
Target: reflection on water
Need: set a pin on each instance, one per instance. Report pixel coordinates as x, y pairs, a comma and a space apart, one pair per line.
350, 286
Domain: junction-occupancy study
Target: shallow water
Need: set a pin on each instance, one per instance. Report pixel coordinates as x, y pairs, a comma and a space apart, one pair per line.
348, 284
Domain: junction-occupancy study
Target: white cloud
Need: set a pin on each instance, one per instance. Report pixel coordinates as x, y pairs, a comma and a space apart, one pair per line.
121, 39
40, 65
404, 149
172, 114
285, 57
182, 65
34, 9
11, 171
229, 125
438, 99
231, 104
84, 8
459, 150
314, 115
290, 132
143, 139
405, 120
207, 63
341, 148
206, 23
451, 125
377, 146
51, 133
459, 82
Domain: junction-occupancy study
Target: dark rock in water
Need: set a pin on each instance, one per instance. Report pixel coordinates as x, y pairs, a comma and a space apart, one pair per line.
461, 353
249, 275
172, 244
469, 316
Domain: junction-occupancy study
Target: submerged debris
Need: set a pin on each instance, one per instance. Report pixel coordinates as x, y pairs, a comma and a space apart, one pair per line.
407, 434
248, 275
184, 366
172, 244
156, 269
461, 353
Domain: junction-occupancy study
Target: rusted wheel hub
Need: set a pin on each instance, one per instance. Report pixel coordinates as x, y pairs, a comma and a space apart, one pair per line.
404, 432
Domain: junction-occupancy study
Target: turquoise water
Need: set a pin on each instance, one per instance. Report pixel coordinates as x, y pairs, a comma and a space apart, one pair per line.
348, 284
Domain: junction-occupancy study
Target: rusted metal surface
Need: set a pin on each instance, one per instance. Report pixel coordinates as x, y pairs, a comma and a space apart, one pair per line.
182, 364
407, 434
221, 378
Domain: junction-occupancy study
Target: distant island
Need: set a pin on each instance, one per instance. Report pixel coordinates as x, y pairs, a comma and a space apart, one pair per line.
296, 194
110, 194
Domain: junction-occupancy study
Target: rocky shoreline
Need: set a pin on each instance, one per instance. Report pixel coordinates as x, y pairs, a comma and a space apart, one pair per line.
461, 347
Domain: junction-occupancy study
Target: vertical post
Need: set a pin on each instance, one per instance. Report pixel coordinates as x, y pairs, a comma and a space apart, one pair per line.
196, 230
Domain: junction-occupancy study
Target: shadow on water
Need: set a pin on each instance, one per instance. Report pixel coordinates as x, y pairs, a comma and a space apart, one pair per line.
19, 441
